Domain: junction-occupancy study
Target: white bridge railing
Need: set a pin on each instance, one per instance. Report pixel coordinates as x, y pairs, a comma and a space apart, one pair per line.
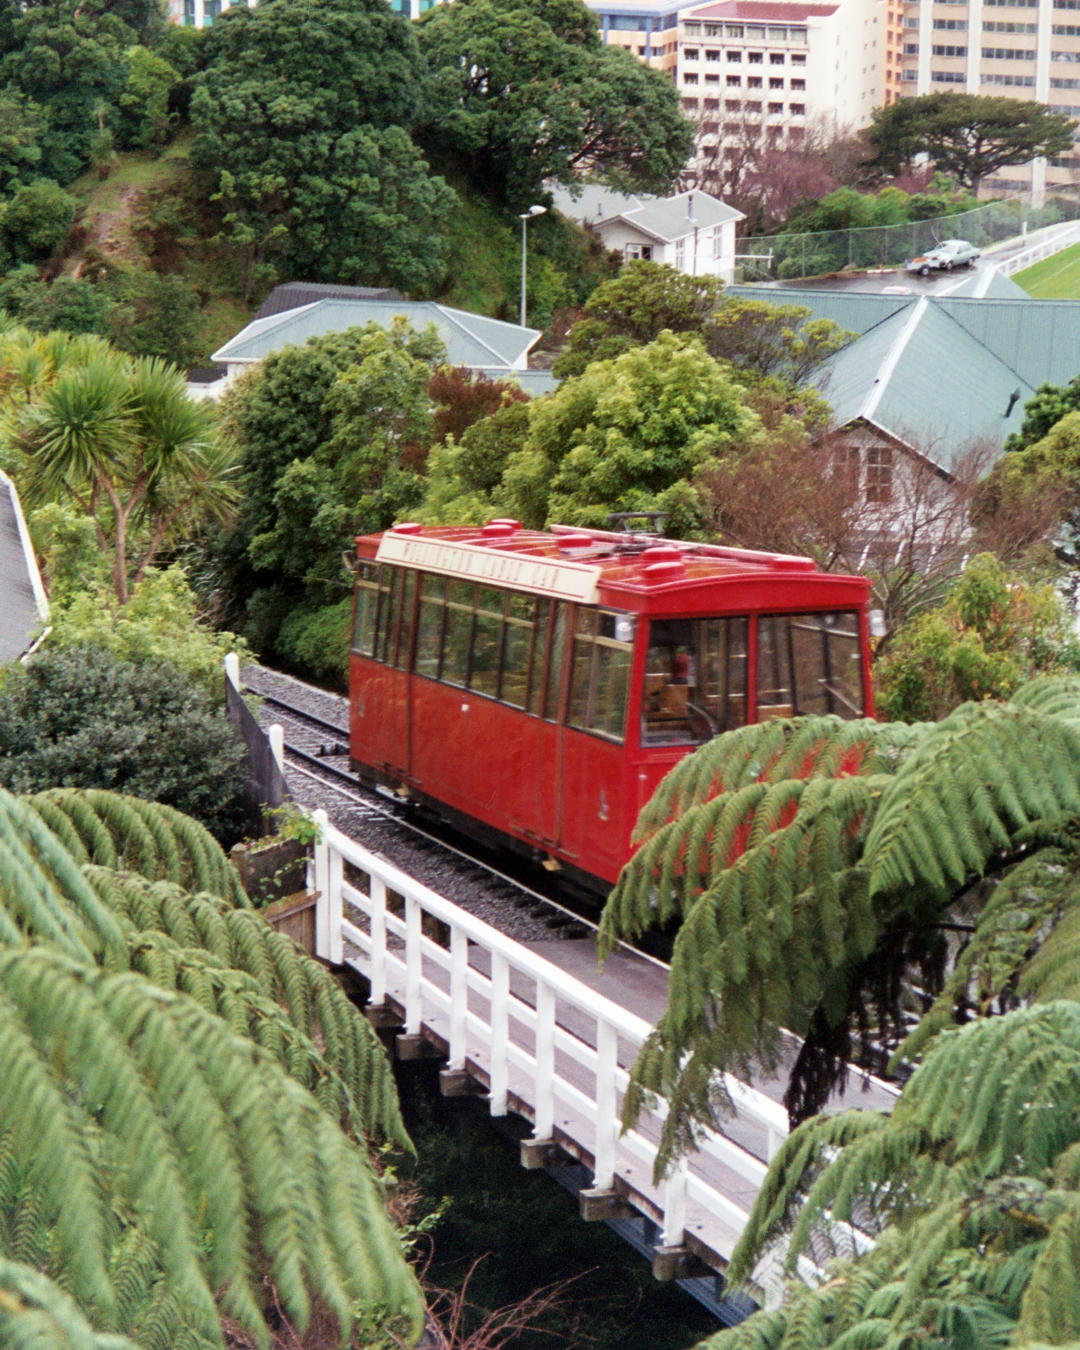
1046, 249
545, 1045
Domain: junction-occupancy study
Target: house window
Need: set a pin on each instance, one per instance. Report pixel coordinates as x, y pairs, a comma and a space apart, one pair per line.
879, 472
632, 251
680, 253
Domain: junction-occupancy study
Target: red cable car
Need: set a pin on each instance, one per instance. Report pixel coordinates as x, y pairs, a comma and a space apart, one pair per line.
539, 685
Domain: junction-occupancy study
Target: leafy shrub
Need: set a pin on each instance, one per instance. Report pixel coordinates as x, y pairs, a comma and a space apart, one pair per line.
317, 641
84, 717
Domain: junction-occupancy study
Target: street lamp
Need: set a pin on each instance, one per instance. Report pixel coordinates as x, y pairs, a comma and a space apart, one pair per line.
525, 218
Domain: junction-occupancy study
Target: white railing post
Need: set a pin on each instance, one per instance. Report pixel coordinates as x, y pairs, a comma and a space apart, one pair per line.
377, 973
459, 997
414, 963
336, 948
275, 734
607, 1122
320, 883
544, 1094
232, 670
674, 1230
500, 1033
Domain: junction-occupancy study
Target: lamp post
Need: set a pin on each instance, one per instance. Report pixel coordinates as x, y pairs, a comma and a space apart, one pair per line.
525, 218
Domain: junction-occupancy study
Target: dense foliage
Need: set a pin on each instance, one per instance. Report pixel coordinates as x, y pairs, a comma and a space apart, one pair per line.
184, 1157
820, 873
968, 136
994, 632
524, 91
82, 717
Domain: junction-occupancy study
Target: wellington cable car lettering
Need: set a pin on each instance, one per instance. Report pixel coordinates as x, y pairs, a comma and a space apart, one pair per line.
564, 580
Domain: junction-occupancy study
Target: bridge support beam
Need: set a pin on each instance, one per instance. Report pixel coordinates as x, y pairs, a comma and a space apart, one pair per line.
597, 1205
457, 1083
414, 1047
678, 1263
382, 1017
540, 1153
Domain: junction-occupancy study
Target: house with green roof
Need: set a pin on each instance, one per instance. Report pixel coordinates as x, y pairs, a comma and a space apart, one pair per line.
492, 347
937, 380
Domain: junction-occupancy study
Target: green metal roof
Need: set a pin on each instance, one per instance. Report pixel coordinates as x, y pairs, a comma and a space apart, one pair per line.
471, 339
921, 377
1040, 339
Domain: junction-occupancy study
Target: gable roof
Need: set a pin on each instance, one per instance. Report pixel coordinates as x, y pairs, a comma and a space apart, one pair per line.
471, 339
663, 218
939, 371
920, 377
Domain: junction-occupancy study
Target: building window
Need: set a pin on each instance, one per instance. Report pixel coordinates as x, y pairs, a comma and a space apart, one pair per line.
940, 50
1009, 54
950, 77
798, 58
879, 485
755, 82
712, 55
734, 56
912, 49
755, 58
690, 53
957, 25
680, 253
776, 58
734, 81
753, 107
776, 84
798, 84
690, 79
776, 109
1024, 81
798, 109
994, 27
712, 79
643, 251
733, 30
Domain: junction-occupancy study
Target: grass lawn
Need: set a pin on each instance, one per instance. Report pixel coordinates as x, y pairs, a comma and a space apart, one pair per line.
1056, 278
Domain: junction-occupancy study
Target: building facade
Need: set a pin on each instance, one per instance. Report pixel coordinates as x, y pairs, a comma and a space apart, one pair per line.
1026, 49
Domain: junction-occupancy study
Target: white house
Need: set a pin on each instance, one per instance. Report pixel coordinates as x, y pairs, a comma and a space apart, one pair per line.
693, 231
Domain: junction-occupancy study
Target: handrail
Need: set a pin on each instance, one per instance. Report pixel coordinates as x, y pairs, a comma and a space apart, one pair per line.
1037, 252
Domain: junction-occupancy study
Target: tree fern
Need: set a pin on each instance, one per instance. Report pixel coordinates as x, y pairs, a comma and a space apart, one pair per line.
822, 875
222, 1159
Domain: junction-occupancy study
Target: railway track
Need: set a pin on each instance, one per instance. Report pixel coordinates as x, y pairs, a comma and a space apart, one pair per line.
314, 723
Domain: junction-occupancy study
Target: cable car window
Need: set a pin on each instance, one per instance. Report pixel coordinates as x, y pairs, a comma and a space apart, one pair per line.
809, 663
487, 642
556, 658
429, 628
600, 675
695, 680
366, 610
518, 640
405, 619
389, 611
457, 636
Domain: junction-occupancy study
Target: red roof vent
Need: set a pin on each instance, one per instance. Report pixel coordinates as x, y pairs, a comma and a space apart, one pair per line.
569, 541
505, 520
664, 571
661, 553
498, 529
407, 527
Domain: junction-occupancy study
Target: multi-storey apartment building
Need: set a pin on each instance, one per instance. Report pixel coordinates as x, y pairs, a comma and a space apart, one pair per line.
1027, 49
767, 68
202, 13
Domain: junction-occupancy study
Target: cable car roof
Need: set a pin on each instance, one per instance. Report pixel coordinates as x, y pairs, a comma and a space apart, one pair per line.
589, 566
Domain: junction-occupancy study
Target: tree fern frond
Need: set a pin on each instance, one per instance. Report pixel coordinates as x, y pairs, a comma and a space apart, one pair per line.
1015, 764
35, 1314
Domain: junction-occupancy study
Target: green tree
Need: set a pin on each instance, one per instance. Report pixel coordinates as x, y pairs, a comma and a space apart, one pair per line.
332, 437
995, 631
154, 1043
968, 136
20, 134
143, 104
1041, 413
630, 434
523, 92
760, 338
827, 877
68, 304
85, 718
120, 439
35, 219
298, 106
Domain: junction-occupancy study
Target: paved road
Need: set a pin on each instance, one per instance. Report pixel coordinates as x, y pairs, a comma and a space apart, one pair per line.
939, 283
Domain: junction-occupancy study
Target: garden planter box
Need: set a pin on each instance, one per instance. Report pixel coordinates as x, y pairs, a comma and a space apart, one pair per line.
274, 873
295, 917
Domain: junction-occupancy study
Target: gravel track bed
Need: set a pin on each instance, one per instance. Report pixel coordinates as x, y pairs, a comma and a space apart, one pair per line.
368, 818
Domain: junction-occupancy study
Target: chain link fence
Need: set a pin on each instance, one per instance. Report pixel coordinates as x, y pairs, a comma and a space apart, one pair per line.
785, 257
